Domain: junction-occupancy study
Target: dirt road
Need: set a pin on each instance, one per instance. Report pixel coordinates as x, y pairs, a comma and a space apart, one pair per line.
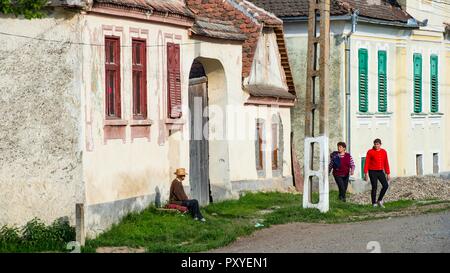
423, 233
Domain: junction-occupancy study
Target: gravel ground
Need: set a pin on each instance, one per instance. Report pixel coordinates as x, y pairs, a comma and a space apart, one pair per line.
410, 188
424, 233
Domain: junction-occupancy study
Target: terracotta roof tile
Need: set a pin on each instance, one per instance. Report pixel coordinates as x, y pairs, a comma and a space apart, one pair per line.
217, 29
163, 6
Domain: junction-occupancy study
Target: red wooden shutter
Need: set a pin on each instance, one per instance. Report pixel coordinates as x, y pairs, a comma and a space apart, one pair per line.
174, 80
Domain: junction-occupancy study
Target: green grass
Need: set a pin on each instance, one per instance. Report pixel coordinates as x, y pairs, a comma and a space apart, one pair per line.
226, 221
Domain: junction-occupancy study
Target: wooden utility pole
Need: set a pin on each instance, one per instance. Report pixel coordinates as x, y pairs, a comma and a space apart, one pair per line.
318, 67
317, 70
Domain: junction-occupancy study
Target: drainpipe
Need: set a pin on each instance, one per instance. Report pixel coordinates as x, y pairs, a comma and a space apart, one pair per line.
354, 18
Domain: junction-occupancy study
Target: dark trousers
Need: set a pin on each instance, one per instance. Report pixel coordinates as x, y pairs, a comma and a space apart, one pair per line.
342, 183
193, 208
374, 177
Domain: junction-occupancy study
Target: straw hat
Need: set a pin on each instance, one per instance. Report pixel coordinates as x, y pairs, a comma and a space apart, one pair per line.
180, 172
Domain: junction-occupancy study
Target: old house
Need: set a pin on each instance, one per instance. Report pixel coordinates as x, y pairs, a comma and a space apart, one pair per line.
388, 72
102, 100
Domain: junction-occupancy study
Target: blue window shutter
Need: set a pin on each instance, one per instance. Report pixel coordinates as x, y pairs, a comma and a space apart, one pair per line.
363, 80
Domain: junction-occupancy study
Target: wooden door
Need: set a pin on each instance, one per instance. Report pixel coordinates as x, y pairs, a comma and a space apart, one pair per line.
198, 144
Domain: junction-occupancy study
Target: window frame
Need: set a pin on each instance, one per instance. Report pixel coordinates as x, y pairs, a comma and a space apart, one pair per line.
275, 146
139, 68
114, 67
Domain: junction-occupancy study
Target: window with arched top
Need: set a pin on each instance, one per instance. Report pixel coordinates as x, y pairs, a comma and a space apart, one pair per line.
260, 147
277, 145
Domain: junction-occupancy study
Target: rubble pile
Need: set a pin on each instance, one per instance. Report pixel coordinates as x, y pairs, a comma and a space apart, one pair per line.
409, 188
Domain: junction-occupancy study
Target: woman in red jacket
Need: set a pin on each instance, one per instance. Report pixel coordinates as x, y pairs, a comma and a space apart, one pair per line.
377, 165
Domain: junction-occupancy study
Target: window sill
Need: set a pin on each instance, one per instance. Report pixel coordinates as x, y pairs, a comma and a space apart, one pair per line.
419, 115
115, 122
435, 115
141, 122
175, 121
383, 114
365, 113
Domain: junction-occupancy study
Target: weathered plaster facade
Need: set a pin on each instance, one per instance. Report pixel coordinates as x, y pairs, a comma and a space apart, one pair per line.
41, 135
297, 43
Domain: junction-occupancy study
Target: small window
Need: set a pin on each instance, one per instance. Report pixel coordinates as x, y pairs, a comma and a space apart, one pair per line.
259, 145
112, 78
417, 83
435, 163
363, 80
139, 53
275, 148
434, 84
419, 164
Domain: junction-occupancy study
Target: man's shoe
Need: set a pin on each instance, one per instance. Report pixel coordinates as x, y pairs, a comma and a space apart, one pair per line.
375, 205
381, 204
195, 219
203, 220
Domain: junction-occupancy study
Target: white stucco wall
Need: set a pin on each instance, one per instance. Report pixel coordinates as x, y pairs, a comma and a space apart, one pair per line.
40, 138
403, 134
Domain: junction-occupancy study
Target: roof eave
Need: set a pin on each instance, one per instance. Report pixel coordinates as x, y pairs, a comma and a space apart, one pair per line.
302, 19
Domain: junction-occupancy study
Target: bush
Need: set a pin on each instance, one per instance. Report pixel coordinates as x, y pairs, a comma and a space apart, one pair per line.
35, 236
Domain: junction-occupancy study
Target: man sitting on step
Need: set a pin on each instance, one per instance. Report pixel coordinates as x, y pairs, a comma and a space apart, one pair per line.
179, 197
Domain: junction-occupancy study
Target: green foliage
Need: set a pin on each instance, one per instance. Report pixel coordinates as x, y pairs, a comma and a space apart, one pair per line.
35, 236
28, 8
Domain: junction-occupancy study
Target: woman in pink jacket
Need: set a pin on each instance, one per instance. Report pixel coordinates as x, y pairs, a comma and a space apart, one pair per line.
377, 167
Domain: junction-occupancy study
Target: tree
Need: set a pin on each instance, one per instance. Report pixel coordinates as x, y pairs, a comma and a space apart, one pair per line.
28, 8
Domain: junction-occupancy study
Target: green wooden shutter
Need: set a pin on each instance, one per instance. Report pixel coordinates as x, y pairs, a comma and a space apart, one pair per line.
363, 162
417, 83
363, 81
434, 84
382, 81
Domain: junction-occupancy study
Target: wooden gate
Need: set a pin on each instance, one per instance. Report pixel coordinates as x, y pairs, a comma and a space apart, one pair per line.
198, 144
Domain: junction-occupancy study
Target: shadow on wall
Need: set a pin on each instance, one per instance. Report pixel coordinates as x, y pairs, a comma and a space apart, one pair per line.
157, 197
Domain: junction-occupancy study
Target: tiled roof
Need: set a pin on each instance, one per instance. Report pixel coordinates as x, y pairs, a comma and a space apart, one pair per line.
268, 91
388, 10
162, 6
227, 11
217, 29
249, 19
